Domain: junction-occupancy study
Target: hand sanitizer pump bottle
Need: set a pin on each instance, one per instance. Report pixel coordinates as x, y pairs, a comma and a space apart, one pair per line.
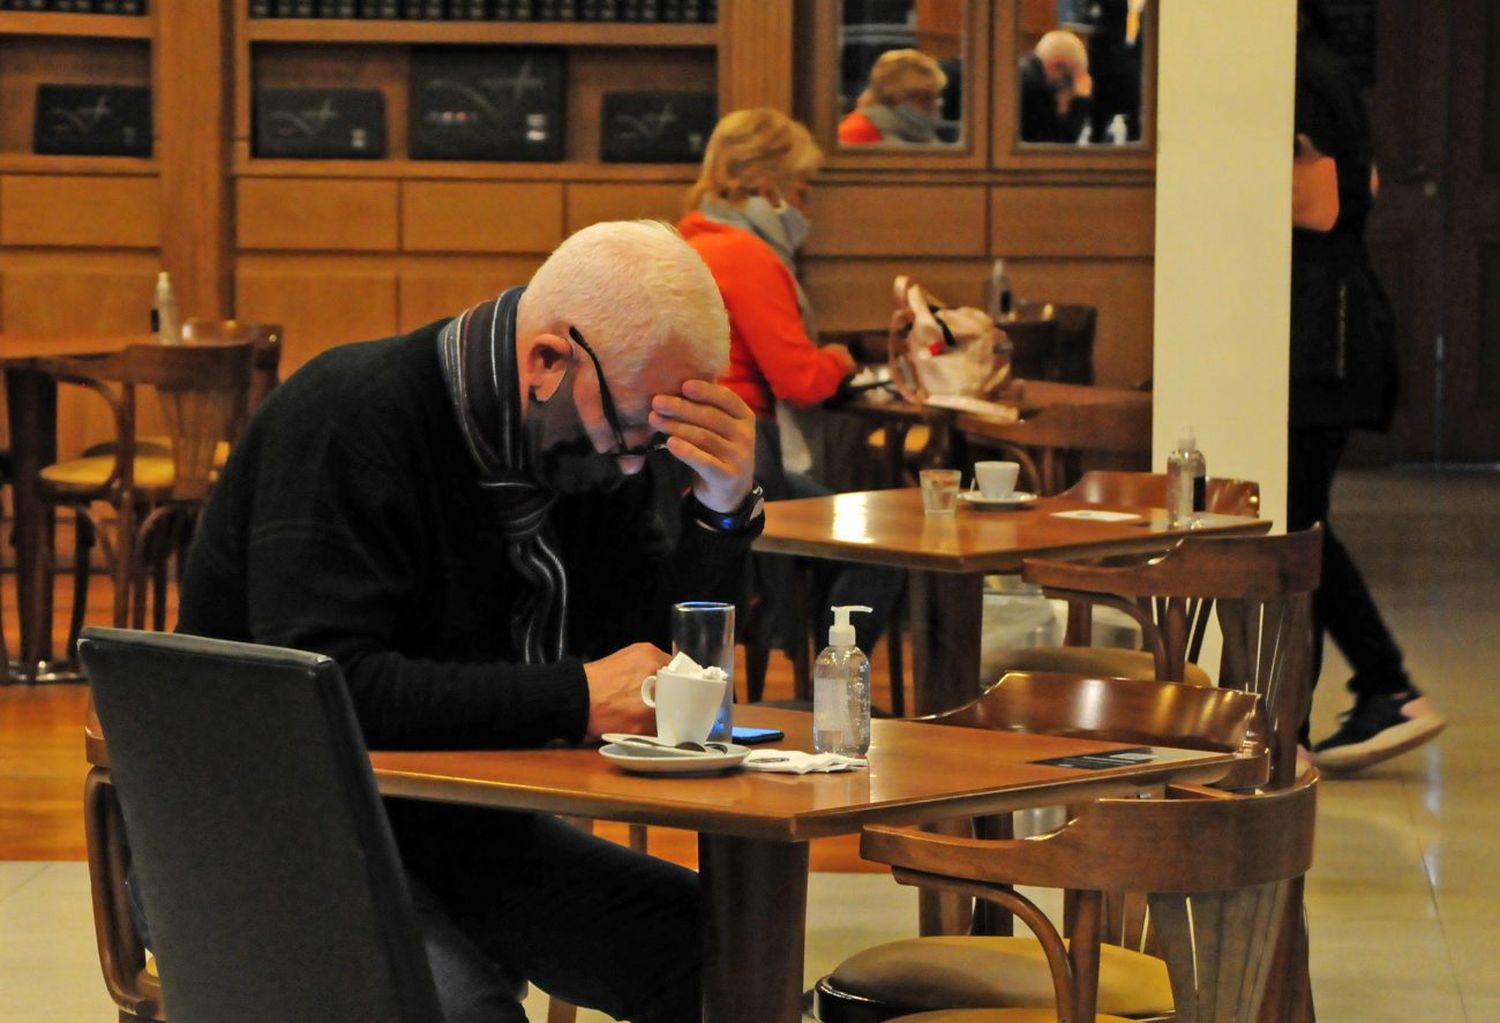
841, 691
1187, 481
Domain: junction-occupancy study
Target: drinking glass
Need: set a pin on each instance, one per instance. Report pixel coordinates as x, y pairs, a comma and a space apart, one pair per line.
939, 491
704, 630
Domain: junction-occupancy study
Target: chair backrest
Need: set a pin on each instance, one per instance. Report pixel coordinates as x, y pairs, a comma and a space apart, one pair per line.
268, 875
1149, 490
203, 390
1219, 871
1115, 709
1263, 588
1073, 361
265, 338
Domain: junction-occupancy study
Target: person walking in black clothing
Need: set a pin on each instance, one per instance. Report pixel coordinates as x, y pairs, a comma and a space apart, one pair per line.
1343, 376
486, 522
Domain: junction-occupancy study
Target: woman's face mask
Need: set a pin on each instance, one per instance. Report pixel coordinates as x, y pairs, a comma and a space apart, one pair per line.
795, 223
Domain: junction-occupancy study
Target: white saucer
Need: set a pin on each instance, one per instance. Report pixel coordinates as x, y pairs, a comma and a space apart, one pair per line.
1015, 499
647, 760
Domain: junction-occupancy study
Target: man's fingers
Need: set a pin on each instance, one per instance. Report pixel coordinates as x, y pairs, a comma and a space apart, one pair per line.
703, 392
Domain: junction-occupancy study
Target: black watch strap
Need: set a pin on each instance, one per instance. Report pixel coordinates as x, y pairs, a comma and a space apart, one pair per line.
749, 516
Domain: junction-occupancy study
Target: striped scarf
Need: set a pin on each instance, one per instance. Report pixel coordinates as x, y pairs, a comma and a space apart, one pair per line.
477, 349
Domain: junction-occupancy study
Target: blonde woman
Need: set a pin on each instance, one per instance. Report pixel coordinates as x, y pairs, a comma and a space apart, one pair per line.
901, 103
747, 217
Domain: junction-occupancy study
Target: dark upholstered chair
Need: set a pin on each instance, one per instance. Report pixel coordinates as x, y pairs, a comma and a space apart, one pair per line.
266, 868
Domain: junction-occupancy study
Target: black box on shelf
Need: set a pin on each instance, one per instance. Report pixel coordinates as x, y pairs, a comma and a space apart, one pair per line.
486, 104
656, 127
328, 124
93, 120
469, 10
336, 8
260, 8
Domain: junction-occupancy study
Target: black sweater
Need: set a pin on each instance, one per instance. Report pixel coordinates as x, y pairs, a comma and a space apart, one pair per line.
349, 521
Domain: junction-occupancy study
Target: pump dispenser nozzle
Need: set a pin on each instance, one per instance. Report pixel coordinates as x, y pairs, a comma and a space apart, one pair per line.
842, 633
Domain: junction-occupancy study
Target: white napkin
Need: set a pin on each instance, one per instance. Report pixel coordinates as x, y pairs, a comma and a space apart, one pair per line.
790, 761
682, 664
1095, 515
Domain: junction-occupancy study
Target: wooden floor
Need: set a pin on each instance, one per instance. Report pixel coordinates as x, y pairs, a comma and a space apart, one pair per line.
42, 767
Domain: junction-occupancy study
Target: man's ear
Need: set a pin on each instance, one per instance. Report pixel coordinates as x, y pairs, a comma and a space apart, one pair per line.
544, 364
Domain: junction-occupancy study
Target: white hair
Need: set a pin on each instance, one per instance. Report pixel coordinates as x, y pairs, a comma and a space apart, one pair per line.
634, 289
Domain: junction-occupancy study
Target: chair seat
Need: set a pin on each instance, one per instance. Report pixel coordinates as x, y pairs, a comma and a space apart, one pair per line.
87, 475
158, 445
1108, 662
997, 1016
960, 971
915, 442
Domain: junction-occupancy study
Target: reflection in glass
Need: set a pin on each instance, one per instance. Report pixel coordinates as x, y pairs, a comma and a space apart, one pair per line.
1080, 79
900, 72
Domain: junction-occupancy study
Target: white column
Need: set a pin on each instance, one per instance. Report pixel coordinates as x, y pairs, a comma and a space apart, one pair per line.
1223, 236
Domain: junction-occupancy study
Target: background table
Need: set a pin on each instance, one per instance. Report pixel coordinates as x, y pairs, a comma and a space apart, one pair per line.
754, 827
948, 557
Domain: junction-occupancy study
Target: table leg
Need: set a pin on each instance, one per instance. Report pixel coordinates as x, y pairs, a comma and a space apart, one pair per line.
946, 611
31, 400
754, 921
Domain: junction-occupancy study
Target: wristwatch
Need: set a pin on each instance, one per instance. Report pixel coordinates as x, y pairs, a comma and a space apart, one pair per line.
748, 518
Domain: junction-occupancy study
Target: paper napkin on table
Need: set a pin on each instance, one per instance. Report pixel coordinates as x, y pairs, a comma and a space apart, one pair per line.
682, 664
790, 761
1096, 515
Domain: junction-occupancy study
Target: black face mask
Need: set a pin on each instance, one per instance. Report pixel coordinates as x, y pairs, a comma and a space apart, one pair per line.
559, 450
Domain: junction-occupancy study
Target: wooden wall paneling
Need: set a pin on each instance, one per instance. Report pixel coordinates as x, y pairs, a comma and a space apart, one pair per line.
1121, 289
71, 210
1083, 220
326, 66
192, 101
321, 301
593, 71
893, 220
755, 65
855, 294
463, 216
328, 215
593, 203
435, 287
83, 292
28, 61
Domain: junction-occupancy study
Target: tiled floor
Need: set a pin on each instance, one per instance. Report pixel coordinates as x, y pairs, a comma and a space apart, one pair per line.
1404, 896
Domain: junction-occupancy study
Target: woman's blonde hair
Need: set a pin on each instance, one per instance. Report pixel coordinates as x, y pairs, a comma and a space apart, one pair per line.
750, 149
900, 76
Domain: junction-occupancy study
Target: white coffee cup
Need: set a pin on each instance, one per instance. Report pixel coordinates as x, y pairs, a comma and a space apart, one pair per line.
686, 705
996, 479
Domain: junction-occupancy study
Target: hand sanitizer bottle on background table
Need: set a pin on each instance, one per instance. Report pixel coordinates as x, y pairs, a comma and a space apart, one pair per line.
1187, 481
841, 691
165, 323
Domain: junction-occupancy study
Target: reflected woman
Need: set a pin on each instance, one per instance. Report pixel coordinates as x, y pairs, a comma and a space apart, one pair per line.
901, 104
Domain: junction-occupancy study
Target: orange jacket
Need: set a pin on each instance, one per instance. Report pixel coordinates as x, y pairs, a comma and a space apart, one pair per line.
770, 355
856, 128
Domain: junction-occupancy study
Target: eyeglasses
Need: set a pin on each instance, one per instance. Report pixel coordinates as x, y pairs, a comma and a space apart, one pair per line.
657, 442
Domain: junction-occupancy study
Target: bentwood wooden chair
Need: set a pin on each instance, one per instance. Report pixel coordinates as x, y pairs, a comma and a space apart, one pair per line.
1220, 873
155, 495
261, 852
1123, 490
990, 966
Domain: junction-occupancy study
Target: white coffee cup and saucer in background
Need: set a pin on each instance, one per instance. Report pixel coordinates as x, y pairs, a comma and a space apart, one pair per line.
994, 486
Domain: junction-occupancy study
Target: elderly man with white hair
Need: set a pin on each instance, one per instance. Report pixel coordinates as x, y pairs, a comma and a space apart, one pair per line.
486, 522
1056, 90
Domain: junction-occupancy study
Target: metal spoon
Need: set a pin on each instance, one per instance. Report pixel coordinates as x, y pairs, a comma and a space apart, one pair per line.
684, 747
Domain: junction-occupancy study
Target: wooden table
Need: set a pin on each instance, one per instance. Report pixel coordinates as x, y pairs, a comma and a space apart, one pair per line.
948, 557
31, 404
1031, 399
754, 828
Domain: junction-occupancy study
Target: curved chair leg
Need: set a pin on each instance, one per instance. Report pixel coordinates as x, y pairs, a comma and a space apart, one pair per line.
84, 535
121, 957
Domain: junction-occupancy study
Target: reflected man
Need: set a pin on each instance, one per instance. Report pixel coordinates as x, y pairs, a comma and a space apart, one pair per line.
1056, 90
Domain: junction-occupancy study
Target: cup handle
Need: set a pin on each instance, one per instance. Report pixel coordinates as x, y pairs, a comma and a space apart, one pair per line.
648, 691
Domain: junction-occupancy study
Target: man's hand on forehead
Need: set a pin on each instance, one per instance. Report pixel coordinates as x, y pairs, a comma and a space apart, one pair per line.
711, 430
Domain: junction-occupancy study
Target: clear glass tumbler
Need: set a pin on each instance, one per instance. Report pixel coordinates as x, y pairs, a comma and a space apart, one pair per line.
704, 630
940, 491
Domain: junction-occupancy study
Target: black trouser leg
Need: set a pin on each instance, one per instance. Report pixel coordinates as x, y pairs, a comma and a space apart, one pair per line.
1343, 606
